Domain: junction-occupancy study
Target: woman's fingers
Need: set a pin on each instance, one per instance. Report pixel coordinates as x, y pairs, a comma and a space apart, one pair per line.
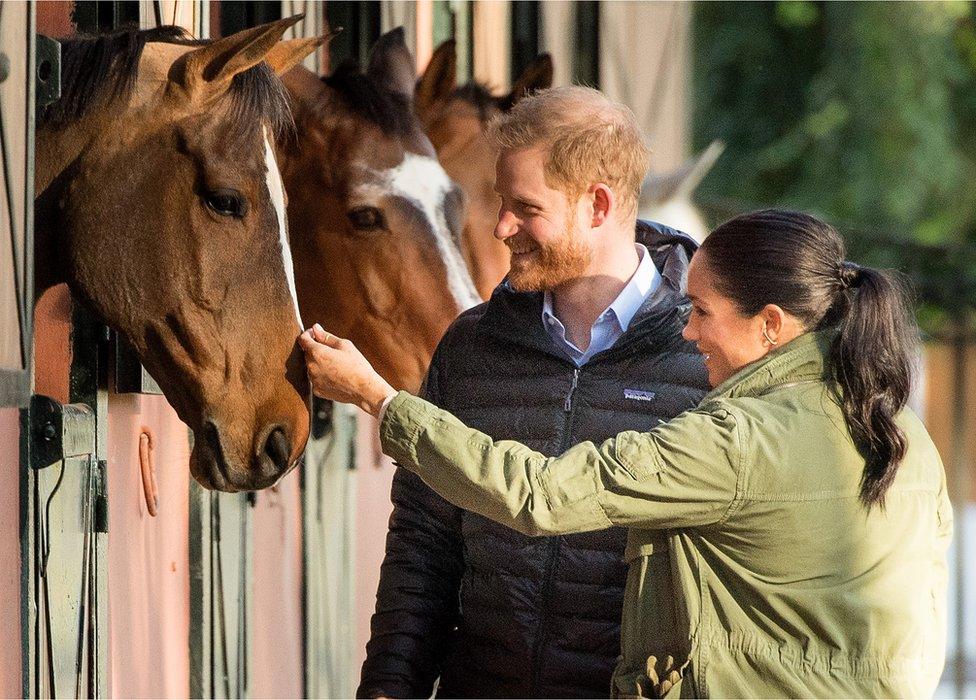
320, 334
323, 336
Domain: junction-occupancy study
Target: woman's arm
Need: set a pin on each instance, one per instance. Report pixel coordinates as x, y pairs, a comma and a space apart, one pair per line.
681, 474
684, 473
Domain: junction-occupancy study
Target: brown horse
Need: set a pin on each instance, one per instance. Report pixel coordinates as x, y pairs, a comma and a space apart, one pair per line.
160, 204
374, 219
455, 119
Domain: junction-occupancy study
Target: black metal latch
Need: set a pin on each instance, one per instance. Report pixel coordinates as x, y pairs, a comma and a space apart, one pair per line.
59, 431
47, 59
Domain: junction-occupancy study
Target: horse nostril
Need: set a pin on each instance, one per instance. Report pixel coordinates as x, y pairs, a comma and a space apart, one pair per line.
277, 448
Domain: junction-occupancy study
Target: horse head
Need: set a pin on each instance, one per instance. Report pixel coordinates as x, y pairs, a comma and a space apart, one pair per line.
455, 119
374, 219
160, 204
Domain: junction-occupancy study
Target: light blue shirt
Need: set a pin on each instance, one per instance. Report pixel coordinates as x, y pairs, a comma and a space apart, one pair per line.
612, 323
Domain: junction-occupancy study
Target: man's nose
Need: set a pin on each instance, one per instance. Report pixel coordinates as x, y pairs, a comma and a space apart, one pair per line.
689, 334
507, 225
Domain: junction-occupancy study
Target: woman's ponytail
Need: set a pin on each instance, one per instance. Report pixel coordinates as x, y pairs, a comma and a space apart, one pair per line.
871, 360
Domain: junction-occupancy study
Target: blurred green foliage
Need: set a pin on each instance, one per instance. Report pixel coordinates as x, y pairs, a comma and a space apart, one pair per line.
864, 113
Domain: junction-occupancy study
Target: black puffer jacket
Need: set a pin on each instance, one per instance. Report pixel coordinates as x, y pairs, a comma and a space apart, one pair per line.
493, 612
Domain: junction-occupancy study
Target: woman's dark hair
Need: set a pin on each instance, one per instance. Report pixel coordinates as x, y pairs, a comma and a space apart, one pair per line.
798, 262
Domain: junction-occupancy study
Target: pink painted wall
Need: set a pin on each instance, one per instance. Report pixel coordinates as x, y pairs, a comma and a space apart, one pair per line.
276, 661
148, 557
10, 658
374, 477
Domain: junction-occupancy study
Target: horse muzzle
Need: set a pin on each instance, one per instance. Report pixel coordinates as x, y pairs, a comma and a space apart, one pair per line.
216, 465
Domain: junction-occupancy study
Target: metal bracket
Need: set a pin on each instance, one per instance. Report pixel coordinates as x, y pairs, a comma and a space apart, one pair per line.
47, 67
59, 431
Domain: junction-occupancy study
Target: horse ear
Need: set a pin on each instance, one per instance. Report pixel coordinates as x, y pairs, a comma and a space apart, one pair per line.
208, 71
391, 65
439, 78
536, 76
286, 54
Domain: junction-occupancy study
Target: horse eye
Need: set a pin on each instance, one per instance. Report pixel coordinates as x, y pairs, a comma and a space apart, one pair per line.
366, 219
226, 203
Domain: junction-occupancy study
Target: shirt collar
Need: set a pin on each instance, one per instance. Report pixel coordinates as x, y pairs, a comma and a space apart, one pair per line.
645, 280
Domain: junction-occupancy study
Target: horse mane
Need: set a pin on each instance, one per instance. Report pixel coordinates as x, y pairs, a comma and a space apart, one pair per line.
99, 70
364, 96
480, 97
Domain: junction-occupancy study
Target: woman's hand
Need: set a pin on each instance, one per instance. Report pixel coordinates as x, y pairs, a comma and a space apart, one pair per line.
338, 371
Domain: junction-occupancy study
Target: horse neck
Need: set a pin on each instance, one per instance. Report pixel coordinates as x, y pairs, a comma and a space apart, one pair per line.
57, 151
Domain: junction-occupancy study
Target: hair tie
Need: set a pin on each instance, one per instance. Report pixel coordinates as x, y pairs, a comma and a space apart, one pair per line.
849, 274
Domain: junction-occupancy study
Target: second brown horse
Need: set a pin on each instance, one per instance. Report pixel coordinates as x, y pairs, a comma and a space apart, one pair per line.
374, 219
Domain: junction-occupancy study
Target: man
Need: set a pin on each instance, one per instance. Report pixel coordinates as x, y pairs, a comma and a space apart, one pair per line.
582, 340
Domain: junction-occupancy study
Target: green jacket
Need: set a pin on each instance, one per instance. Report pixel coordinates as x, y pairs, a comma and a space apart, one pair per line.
753, 562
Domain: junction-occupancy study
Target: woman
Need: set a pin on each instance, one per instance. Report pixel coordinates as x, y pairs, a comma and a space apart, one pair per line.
788, 536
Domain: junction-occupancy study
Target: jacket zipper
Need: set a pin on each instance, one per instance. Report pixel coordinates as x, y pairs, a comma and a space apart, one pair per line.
555, 547
568, 403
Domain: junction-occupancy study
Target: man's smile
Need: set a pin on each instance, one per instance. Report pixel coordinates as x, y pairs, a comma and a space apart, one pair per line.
522, 249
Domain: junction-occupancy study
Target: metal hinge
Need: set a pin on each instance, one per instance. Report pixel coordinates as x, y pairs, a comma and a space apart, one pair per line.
59, 431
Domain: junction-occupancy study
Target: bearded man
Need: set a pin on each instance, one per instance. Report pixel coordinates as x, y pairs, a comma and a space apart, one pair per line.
581, 341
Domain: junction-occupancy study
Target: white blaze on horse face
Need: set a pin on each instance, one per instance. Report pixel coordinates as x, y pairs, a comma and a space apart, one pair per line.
423, 181
276, 190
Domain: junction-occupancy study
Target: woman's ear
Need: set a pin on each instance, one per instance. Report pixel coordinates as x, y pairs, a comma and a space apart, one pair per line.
779, 327
774, 316
774, 322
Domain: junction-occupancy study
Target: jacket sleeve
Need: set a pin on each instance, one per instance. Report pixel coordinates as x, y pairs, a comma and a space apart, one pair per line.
684, 473
417, 599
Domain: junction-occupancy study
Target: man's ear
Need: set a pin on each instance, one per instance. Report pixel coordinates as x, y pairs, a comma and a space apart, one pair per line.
604, 203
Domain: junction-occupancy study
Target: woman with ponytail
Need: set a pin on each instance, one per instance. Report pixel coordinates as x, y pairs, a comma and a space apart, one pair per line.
788, 536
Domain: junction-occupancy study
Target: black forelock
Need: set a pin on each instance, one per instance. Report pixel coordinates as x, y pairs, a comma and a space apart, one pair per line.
480, 97
364, 96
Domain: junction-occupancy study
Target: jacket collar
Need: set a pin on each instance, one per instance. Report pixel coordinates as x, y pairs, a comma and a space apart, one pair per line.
516, 316
802, 359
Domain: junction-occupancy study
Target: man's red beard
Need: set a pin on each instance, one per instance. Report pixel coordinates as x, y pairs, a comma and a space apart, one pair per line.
546, 267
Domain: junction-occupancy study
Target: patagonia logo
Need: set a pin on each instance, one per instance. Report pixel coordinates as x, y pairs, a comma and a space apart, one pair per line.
638, 395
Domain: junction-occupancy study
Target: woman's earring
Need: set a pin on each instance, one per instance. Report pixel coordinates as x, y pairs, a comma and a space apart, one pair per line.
768, 339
